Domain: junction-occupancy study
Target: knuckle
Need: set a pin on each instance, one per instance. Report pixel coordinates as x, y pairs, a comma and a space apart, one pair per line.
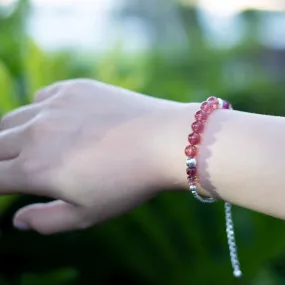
78, 85
49, 91
19, 116
83, 81
67, 90
5, 121
66, 87
40, 95
58, 102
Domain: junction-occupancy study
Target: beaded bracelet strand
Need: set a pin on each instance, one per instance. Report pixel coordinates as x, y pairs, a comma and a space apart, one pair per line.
191, 152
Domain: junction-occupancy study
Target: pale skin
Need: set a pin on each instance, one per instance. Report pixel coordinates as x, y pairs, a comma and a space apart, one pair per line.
100, 151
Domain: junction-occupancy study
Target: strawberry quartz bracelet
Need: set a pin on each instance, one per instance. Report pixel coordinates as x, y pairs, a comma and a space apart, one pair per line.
192, 151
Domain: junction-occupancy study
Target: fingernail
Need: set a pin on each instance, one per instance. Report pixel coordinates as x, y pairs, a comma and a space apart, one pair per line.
21, 226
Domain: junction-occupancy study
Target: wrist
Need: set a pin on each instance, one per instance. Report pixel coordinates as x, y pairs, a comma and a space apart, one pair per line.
174, 126
175, 131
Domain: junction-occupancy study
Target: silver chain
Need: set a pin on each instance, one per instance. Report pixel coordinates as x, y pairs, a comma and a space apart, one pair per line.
202, 199
229, 230
231, 240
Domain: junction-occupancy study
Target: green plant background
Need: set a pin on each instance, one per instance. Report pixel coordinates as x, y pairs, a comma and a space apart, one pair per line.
172, 239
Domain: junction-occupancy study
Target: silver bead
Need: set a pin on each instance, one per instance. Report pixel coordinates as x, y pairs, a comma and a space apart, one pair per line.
193, 188
221, 103
191, 162
237, 273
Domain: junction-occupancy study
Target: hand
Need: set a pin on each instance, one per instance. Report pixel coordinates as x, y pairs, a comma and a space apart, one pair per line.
98, 150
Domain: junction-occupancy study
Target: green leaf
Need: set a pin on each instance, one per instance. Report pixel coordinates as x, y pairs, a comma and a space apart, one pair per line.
7, 95
37, 69
6, 202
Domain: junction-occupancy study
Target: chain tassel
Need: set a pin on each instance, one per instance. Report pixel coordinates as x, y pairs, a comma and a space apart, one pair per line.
232, 241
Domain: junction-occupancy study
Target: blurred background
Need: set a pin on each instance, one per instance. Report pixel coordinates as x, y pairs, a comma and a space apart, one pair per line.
183, 50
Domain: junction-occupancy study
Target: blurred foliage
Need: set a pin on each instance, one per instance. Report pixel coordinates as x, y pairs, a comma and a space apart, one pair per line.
172, 239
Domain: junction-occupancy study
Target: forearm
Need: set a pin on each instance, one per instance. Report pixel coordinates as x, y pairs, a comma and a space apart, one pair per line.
241, 158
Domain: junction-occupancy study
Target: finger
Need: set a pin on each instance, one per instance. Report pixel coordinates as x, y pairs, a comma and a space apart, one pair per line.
48, 218
20, 116
11, 143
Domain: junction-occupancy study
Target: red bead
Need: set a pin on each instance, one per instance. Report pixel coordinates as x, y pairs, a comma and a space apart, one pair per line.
206, 107
194, 138
201, 116
198, 127
191, 172
214, 102
226, 105
191, 151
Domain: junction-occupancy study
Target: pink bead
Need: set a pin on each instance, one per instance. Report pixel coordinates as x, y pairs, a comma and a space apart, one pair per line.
194, 138
198, 127
214, 102
191, 151
201, 116
191, 172
206, 107
226, 105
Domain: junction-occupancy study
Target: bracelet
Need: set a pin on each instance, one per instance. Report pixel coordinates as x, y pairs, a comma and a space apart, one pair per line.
191, 152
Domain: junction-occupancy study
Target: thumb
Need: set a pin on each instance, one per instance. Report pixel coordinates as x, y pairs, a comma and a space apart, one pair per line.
48, 218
